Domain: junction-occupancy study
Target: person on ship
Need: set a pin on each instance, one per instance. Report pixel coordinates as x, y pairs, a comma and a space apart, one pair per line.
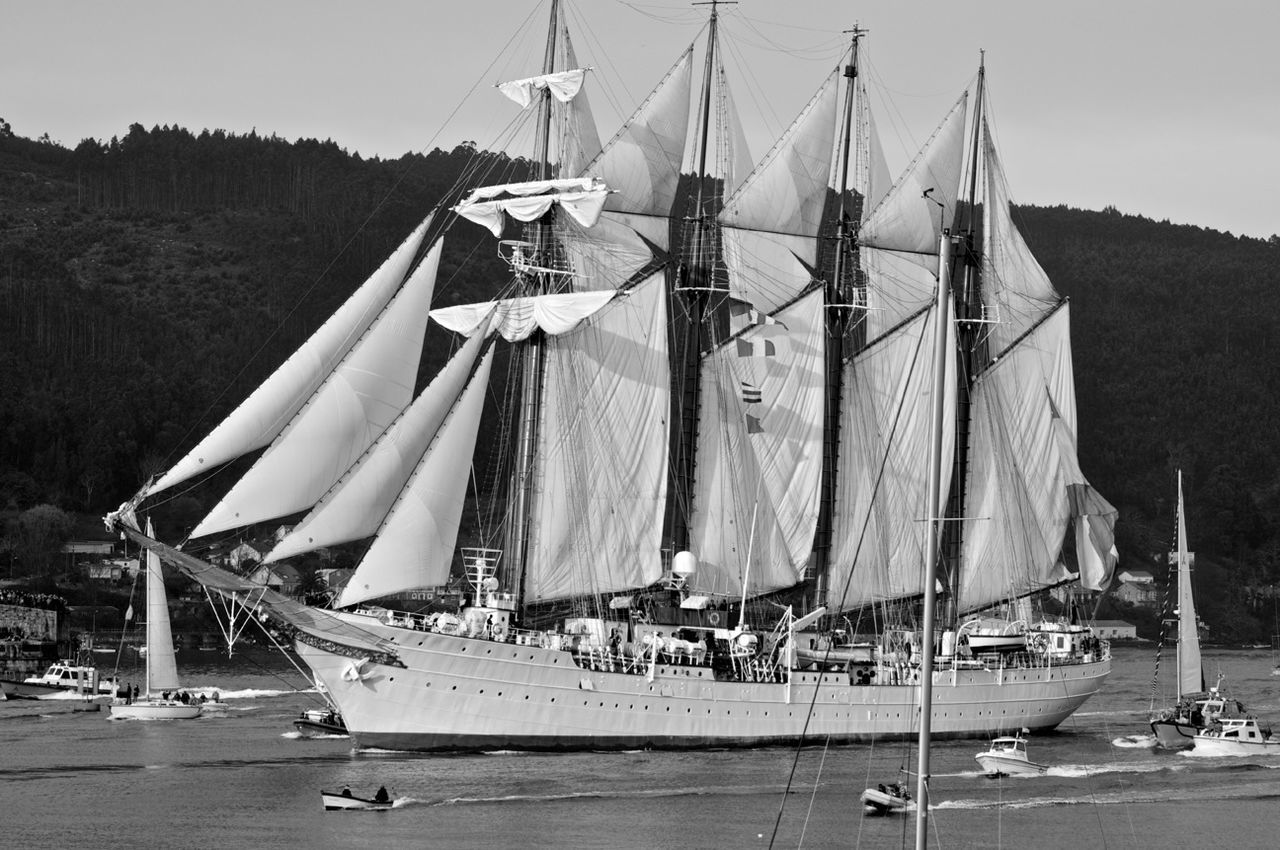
381, 796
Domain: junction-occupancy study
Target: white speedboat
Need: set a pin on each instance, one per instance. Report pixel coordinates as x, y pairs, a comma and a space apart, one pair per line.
1008, 757
58, 680
336, 801
885, 801
1236, 736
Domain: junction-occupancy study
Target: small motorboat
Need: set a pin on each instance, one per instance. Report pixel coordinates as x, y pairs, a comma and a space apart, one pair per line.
885, 801
314, 722
1008, 757
1236, 736
344, 800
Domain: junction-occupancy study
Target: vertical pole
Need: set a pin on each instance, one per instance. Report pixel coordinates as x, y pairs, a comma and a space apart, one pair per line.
941, 353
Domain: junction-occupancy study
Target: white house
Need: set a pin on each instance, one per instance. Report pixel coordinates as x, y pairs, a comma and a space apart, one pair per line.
1136, 576
1115, 630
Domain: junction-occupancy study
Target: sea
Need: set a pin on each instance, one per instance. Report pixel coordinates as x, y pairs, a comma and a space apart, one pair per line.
244, 778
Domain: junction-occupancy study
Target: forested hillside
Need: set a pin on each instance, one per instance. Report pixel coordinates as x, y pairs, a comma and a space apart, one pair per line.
140, 276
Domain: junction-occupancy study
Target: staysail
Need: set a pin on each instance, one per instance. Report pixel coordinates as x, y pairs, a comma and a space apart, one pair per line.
359, 503
261, 417
354, 404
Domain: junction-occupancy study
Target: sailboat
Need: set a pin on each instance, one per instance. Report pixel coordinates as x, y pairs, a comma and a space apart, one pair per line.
1195, 707
729, 383
159, 701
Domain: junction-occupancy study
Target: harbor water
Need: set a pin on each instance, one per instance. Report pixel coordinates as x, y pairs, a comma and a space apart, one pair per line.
243, 778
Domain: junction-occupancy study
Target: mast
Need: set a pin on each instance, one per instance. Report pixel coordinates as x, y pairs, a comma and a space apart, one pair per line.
694, 280
838, 303
534, 361
971, 352
931, 551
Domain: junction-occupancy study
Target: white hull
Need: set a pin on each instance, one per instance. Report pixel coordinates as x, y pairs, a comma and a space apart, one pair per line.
334, 802
457, 693
1219, 747
996, 764
154, 710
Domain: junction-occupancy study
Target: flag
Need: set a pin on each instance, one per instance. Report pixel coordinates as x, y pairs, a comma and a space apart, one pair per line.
128, 615
755, 348
750, 393
753, 425
751, 316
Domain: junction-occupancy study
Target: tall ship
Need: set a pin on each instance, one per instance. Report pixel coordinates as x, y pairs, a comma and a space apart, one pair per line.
728, 397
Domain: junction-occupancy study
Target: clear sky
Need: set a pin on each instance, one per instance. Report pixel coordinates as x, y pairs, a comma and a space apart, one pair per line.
1166, 109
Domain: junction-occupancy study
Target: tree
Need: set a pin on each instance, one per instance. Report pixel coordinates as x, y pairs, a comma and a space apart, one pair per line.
35, 539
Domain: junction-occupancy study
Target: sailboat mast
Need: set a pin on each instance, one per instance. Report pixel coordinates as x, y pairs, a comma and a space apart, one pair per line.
534, 360
931, 551
694, 278
968, 328
838, 297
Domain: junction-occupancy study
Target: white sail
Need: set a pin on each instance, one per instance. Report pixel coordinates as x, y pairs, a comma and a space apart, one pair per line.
899, 239
563, 85
414, 546
771, 223
911, 216
787, 190
602, 459
878, 179
642, 162
759, 462
162, 664
261, 417
357, 505
1018, 506
1012, 281
354, 405
516, 318
580, 198
611, 252
878, 533
1190, 672
580, 140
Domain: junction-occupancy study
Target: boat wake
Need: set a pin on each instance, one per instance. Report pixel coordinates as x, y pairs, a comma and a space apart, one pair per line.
655, 793
1140, 742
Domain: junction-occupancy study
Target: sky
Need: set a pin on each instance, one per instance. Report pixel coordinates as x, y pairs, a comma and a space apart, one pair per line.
1163, 109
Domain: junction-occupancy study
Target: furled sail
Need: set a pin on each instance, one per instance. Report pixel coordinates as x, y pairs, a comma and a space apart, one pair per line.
263, 415
600, 467
1024, 479
360, 397
414, 545
760, 454
581, 198
899, 239
357, 505
516, 318
162, 665
563, 85
878, 539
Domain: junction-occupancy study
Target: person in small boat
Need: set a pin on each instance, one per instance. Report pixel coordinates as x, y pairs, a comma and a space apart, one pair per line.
346, 792
381, 796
